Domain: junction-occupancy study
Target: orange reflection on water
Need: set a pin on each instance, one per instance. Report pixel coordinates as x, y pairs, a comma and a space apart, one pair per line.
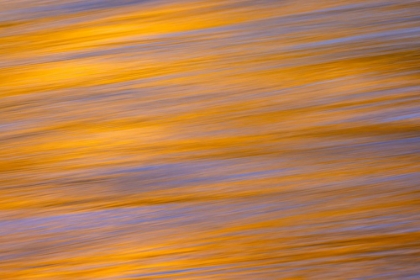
227, 139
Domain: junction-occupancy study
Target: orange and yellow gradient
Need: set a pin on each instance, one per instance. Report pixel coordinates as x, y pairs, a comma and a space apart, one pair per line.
218, 139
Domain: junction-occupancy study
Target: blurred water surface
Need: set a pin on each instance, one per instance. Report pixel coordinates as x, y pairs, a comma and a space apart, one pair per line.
222, 139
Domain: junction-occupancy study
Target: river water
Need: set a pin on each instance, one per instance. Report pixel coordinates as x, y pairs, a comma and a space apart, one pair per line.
219, 139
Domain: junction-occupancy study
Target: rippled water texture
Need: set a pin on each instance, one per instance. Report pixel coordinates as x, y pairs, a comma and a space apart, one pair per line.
217, 139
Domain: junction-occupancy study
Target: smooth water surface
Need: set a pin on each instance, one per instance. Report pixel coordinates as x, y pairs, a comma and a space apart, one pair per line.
218, 139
